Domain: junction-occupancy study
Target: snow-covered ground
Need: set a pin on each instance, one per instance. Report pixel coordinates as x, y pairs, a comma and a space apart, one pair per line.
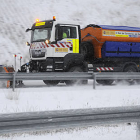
16, 16
113, 132
37, 97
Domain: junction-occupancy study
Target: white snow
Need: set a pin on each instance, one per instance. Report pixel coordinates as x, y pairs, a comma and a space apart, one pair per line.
37, 97
16, 16
113, 132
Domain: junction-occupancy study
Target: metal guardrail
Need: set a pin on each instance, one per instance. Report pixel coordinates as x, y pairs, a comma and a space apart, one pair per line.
47, 120
69, 76
45, 76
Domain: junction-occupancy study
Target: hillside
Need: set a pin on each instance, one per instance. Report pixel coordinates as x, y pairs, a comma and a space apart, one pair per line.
16, 16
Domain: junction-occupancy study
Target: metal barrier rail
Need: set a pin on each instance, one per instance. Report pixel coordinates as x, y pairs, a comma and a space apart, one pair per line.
45, 76
47, 120
69, 76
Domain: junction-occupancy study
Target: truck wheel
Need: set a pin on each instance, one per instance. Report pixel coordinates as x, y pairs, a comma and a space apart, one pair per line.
130, 69
105, 82
72, 82
87, 50
51, 82
84, 49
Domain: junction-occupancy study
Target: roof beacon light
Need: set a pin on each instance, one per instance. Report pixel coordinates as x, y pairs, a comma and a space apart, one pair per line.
37, 20
54, 18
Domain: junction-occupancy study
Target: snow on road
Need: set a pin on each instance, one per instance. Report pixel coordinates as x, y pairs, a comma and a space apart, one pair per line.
37, 97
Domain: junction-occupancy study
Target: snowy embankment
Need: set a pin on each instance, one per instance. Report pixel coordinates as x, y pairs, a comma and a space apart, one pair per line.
16, 16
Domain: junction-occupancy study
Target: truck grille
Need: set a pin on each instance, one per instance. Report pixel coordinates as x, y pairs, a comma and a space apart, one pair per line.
37, 53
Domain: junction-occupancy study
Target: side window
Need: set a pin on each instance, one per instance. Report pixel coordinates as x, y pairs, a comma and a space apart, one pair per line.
65, 32
73, 32
69, 32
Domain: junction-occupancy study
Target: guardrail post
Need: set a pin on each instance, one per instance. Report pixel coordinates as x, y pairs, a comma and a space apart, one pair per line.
138, 132
94, 81
14, 77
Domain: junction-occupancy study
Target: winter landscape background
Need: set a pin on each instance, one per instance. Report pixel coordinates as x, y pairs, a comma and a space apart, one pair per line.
16, 16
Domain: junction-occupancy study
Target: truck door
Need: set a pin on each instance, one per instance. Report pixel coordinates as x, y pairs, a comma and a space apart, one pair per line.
68, 34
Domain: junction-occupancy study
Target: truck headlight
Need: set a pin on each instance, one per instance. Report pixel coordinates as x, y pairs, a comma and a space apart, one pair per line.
47, 41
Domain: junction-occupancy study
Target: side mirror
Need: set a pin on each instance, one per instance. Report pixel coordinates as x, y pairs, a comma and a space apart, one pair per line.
28, 30
27, 44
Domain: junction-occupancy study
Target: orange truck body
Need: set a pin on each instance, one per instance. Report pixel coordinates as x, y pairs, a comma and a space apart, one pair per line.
100, 34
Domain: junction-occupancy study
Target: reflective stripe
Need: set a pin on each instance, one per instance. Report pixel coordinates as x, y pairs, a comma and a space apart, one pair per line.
111, 68
104, 68
75, 45
40, 24
59, 45
62, 45
98, 69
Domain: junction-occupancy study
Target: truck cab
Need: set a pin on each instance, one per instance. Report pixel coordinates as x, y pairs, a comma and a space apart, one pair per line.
48, 40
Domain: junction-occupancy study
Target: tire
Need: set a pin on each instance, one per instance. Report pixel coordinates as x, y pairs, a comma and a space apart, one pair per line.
51, 82
73, 82
86, 49
105, 82
130, 68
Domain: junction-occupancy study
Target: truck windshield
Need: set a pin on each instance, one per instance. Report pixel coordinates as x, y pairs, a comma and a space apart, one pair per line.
41, 34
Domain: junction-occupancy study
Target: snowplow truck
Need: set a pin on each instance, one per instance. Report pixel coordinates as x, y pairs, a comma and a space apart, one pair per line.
64, 47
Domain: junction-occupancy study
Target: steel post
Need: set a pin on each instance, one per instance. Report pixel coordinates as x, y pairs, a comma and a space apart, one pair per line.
15, 62
20, 64
94, 81
14, 77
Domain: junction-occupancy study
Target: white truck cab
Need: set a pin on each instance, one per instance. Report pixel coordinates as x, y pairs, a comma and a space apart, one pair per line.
48, 40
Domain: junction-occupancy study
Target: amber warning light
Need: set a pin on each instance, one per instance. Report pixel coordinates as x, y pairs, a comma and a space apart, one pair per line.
37, 20
54, 18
